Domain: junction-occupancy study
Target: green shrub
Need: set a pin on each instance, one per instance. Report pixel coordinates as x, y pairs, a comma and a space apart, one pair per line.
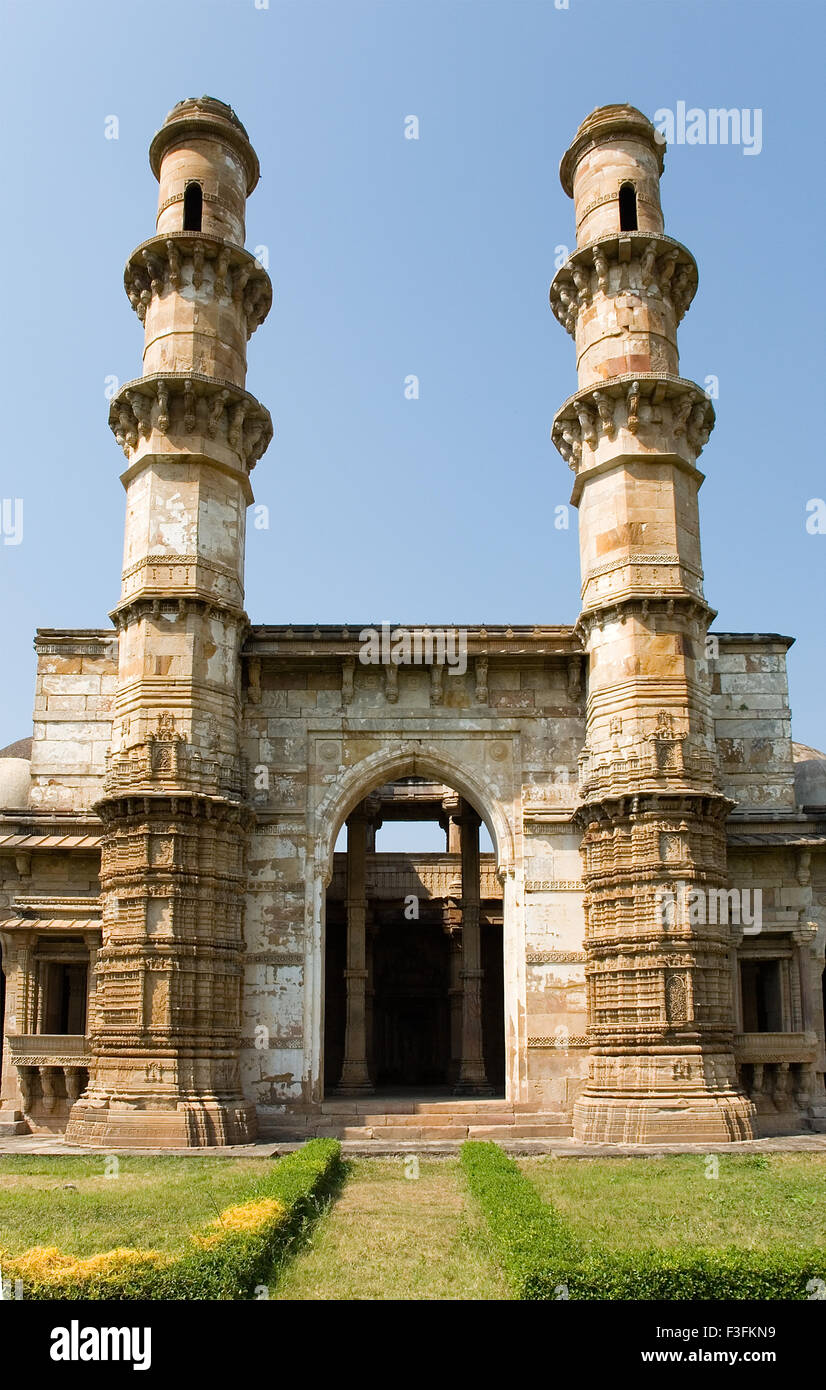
533, 1241
225, 1260
543, 1260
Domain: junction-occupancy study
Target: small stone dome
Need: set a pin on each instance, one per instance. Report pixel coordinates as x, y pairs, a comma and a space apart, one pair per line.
607, 123
15, 779
205, 118
809, 775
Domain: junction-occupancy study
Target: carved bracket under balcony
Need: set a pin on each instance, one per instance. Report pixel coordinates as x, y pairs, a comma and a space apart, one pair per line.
184, 262
175, 607
619, 607
191, 408
646, 264
660, 413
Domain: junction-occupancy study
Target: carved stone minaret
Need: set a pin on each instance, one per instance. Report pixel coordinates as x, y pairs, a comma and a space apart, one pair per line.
166, 1036
652, 814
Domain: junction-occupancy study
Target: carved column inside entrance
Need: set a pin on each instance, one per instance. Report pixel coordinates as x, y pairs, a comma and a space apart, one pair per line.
452, 806
472, 1079
355, 1078
452, 920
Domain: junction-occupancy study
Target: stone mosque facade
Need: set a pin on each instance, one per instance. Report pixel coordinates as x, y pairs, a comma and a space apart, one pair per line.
188, 960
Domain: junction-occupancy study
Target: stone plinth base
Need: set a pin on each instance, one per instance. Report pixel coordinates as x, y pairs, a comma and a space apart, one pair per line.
702, 1117
191, 1124
12, 1122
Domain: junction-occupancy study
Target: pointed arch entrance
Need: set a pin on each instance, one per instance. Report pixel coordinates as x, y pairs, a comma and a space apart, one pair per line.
408, 986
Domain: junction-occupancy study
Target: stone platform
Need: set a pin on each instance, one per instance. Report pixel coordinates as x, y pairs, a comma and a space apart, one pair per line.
46, 1145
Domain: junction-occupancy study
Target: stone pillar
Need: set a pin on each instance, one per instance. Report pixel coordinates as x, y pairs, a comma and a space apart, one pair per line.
18, 956
452, 925
452, 806
803, 936
472, 1079
355, 1078
41, 984
372, 931
651, 808
92, 942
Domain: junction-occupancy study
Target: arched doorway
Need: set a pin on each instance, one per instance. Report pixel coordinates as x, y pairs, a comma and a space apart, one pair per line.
413, 959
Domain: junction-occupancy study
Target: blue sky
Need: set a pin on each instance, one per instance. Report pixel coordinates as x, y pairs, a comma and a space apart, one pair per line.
390, 257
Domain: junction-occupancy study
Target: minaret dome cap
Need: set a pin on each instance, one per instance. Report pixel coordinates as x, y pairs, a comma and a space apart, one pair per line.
207, 117
607, 123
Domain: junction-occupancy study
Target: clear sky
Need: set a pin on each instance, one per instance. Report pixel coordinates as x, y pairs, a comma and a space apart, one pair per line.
392, 257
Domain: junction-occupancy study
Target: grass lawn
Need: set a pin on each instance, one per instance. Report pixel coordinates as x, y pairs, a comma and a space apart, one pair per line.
153, 1203
622, 1203
394, 1237
390, 1236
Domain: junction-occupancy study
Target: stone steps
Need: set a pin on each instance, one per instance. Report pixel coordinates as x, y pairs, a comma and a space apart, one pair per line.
422, 1121
408, 1133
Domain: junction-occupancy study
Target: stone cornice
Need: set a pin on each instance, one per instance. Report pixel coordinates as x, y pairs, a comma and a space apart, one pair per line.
95, 642
133, 806
194, 260
756, 639
621, 605
332, 641
649, 801
165, 604
44, 903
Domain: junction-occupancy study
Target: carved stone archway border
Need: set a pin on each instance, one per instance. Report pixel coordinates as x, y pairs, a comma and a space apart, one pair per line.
410, 758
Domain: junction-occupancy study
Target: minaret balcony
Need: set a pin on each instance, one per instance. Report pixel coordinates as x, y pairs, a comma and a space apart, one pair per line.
633, 416
186, 414
201, 269
650, 266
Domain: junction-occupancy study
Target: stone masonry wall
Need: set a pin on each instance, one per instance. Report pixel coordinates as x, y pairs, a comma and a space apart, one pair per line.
76, 677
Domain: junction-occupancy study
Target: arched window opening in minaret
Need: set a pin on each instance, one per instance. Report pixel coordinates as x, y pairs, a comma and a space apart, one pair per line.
628, 208
194, 207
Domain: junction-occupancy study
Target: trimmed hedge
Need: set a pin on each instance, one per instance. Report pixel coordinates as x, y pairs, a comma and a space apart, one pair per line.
543, 1260
227, 1259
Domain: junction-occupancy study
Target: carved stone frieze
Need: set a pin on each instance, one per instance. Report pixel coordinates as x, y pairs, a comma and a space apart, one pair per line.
160, 762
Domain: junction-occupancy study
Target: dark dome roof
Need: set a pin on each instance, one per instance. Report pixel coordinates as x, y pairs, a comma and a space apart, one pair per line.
21, 749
